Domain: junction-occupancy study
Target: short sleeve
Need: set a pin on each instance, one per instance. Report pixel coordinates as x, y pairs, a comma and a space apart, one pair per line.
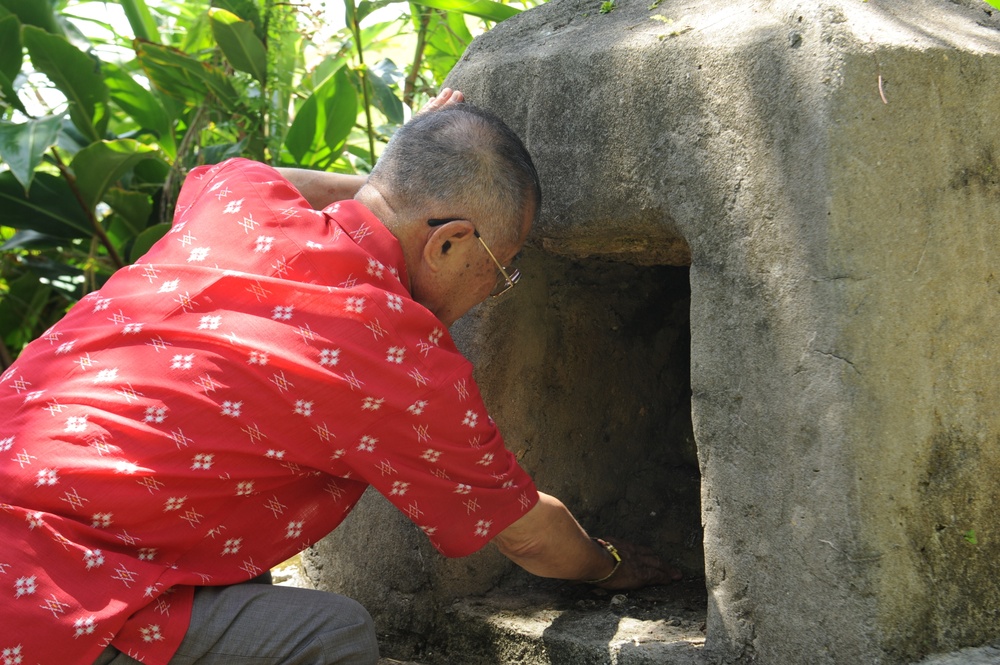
442, 461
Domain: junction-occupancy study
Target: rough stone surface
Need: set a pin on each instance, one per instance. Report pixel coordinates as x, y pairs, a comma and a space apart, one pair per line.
577, 625
988, 655
831, 172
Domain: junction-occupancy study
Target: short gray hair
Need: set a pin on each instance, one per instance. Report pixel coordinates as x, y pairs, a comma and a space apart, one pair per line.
461, 162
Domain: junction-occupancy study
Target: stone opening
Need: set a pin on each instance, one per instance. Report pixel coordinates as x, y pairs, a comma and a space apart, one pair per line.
588, 373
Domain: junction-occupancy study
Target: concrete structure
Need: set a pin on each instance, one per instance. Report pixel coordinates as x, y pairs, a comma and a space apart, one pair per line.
769, 244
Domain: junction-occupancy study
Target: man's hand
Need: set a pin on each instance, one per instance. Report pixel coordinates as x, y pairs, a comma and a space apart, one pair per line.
547, 541
640, 567
447, 97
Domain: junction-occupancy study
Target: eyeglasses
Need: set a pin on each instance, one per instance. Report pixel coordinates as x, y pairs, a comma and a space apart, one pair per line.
505, 280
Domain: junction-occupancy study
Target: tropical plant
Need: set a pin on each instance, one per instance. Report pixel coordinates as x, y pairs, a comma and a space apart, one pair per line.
98, 126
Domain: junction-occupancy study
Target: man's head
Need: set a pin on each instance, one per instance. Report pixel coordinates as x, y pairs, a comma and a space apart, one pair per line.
463, 165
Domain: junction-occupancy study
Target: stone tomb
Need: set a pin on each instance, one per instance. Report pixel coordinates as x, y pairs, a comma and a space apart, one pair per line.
763, 297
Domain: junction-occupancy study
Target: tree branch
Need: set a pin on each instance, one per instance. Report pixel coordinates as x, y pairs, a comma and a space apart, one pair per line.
116, 259
409, 88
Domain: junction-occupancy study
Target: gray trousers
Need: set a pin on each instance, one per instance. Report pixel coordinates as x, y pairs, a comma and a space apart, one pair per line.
271, 625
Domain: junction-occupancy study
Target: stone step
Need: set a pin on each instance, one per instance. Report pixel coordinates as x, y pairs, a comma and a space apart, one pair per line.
985, 655
555, 625
576, 625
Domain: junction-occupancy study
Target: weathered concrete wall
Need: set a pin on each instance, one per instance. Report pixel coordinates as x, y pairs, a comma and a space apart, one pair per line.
832, 172
922, 297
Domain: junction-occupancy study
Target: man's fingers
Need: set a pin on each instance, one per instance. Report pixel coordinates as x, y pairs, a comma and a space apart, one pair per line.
654, 568
447, 97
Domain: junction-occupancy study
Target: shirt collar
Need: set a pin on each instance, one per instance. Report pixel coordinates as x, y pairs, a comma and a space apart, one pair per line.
371, 235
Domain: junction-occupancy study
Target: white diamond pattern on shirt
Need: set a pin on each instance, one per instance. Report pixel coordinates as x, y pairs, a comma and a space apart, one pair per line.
223, 398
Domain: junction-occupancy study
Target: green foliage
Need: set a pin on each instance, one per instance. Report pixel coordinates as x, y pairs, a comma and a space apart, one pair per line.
141, 20
239, 43
323, 122
23, 144
98, 127
76, 74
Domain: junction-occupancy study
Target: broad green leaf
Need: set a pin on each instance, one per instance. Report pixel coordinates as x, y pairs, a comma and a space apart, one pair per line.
147, 239
285, 58
22, 145
325, 70
119, 232
242, 48
150, 172
51, 208
388, 71
102, 163
135, 208
70, 140
67, 279
994, 3
459, 29
21, 308
11, 54
141, 20
365, 7
302, 133
178, 66
385, 99
34, 12
324, 121
213, 154
447, 39
361, 157
28, 239
8, 96
370, 35
173, 73
487, 9
142, 106
246, 10
198, 37
180, 76
76, 74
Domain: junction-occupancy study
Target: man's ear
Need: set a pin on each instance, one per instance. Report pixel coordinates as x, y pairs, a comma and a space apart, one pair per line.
444, 240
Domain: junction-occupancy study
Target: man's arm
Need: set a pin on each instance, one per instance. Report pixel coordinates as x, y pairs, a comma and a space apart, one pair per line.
321, 188
547, 541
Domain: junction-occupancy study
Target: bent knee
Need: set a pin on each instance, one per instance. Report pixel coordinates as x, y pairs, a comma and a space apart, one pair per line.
349, 638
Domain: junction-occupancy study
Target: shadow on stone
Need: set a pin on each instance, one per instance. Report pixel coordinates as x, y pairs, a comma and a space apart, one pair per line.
563, 624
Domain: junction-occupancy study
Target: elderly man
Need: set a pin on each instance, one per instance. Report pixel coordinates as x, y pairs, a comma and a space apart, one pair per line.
223, 404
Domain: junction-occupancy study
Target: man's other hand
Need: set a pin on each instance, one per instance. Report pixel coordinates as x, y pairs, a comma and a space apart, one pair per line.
447, 97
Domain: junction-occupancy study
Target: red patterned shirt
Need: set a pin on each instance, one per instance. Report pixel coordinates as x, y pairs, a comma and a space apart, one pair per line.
218, 407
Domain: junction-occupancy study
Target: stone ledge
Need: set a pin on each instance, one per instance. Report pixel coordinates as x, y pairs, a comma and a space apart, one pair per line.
566, 625
987, 655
